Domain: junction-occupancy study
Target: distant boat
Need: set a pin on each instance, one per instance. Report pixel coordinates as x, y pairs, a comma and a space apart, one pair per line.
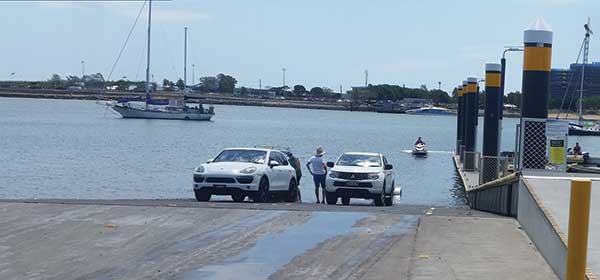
580, 130
169, 112
176, 108
431, 110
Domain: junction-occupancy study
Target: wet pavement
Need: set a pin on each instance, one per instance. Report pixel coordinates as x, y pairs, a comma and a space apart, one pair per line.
182, 239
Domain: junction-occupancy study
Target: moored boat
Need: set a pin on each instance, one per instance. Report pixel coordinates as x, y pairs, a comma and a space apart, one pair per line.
431, 110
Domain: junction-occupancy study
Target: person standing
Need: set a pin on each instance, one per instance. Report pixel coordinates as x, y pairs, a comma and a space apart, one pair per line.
317, 168
295, 163
577, 149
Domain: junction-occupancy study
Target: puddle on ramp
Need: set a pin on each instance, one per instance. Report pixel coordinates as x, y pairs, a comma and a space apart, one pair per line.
273, 251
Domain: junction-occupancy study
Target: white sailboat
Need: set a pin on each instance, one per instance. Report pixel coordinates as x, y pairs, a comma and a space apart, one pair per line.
176, 110
581, 128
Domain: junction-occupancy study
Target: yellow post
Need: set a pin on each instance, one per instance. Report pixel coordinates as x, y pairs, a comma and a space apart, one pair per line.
579, 219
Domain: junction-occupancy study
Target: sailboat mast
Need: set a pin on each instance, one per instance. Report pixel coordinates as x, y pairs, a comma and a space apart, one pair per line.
148, 54
586, 48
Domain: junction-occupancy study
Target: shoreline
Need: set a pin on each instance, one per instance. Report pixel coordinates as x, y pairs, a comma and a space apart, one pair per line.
220, 99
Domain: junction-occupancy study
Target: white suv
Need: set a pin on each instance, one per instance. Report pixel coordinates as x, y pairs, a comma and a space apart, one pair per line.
360, 175
240, 172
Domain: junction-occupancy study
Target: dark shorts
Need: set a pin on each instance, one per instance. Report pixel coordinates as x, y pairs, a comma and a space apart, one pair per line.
319, 180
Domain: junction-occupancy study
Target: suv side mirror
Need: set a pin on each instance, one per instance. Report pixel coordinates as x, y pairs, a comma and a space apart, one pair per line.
210, 160
274, 163
388, 167
330, 164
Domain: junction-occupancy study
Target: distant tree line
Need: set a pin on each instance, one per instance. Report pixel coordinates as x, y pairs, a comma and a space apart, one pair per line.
396, 92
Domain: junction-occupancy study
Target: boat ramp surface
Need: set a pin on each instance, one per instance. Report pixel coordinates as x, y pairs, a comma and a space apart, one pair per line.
184, 239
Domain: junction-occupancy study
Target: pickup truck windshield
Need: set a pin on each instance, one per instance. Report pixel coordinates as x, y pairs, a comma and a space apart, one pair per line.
359, 160
253, 156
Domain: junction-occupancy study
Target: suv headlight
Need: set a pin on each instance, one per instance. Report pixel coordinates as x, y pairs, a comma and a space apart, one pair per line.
248, 170
334, 174
199, 169
373, 176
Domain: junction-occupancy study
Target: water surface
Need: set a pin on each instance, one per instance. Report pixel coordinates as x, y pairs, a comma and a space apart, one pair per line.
78, 149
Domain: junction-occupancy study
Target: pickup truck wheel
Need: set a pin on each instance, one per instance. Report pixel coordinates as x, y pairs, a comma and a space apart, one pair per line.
292, 193
389, 198
378, 199
345, 200
331, 198
202, 195
238, 197
263, 191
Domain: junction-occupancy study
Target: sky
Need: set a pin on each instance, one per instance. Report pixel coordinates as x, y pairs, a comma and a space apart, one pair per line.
320, 43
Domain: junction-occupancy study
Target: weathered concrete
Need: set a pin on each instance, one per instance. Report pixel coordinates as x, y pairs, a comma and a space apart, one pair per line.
87, 241
552, 197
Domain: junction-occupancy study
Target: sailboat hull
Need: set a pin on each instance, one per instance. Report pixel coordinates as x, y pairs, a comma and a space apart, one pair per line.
583, 131
134, 113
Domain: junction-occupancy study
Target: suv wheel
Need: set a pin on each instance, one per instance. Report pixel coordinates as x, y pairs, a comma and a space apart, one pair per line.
378, 198
292, 193
263, 191
345, 200
331, 197
238, 197
202, 195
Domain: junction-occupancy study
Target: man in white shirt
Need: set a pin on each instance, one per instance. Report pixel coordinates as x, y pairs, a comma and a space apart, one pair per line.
317, 168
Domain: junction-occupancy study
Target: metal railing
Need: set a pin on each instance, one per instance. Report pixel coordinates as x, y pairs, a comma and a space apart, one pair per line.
494, 167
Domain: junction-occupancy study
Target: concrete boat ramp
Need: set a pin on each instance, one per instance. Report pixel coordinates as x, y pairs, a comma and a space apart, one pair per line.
183, 239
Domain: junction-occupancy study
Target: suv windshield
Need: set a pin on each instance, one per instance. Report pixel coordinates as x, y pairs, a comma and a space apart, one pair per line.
359, 160
253, 156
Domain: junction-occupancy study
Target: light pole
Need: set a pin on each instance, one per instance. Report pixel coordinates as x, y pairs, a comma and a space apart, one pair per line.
503, 75
193, 73
283, 71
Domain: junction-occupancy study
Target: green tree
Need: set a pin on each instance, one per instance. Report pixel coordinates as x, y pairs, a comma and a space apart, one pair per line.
179, 84
299, 90
226, 83
57, 82
513, 98
316, 91
166, 83
209, 84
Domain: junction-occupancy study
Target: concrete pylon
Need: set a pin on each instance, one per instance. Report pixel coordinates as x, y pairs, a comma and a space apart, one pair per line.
537, 56
491, 123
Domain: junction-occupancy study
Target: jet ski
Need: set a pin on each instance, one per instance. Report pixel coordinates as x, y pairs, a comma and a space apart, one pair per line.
419, 150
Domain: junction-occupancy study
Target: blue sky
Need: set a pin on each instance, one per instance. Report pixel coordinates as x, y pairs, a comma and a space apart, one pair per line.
320, 43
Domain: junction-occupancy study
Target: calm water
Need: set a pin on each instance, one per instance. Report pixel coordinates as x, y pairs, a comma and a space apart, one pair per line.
78, 149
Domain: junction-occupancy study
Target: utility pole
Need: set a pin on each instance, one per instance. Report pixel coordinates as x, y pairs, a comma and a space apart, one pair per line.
283, 70
184, 57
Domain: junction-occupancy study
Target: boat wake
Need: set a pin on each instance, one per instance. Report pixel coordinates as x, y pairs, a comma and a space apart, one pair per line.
431, 152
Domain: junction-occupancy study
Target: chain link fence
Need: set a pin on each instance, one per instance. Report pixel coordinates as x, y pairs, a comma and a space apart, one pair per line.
533, 144
494, 167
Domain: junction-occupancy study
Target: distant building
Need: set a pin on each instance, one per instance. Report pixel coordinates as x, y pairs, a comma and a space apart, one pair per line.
255, 92
561, 79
